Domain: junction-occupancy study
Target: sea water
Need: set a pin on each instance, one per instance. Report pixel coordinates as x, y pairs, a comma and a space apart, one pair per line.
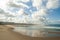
37, 31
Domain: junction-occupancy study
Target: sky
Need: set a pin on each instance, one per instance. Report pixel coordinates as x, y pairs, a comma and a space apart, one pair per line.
30, 11
55, 14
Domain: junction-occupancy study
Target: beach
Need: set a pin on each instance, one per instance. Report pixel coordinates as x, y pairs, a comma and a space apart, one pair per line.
6, 33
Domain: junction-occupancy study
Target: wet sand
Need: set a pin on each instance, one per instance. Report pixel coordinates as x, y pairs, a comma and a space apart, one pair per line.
6, 33
53, 37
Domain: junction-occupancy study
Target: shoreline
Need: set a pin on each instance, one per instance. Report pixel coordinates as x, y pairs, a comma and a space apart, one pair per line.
6, 33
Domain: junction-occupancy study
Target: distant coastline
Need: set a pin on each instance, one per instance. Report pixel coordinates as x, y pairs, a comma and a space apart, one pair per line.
12, 23
55, 25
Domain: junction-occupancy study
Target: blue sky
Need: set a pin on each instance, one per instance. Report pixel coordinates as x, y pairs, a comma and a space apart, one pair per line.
54, 14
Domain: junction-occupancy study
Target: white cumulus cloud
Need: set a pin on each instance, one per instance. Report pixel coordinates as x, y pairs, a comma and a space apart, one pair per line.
3, 4
41, 12
20, 12
21, 0
52, 4
20, 4
37, 3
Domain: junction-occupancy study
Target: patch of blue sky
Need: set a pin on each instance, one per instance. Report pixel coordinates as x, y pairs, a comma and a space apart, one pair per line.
27, 11
33, 8
54, 14
44, 3
29, 3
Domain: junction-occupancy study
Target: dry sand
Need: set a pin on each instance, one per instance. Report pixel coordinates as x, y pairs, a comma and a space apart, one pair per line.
6, 33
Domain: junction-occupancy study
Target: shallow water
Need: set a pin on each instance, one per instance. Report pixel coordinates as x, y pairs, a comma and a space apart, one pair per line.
39, 28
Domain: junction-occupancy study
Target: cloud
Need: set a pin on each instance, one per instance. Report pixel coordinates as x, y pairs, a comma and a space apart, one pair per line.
52, 4
25, 0
42, 7
21, 0
54, 21
15, 3
3, 4
1, 11
37, 3
41, 12
25, 18
20, 12
2, 17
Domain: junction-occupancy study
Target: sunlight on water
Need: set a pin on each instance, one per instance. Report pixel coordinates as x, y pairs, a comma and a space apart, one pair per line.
37, 31
33, 31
